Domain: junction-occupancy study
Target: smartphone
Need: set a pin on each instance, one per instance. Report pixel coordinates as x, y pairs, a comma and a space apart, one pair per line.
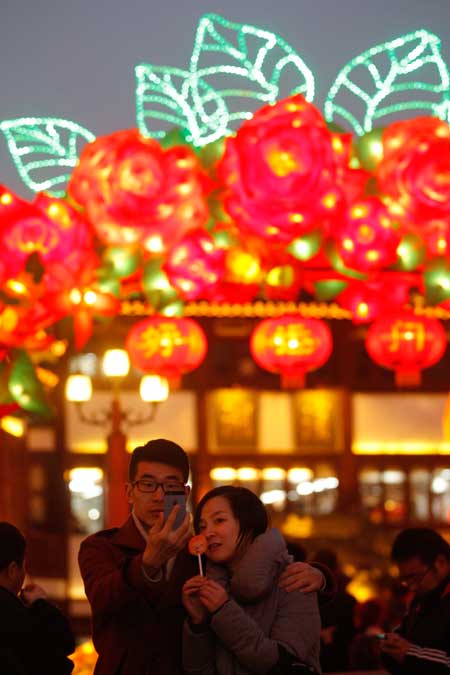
381, 636
170, 500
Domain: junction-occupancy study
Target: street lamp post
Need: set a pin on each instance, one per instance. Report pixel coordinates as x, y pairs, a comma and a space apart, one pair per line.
153, 389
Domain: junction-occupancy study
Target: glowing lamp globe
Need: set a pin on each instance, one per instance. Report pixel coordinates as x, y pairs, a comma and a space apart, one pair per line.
407, 344
291, 346
165, 346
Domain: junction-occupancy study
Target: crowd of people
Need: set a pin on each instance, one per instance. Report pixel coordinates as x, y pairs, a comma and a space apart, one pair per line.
240, 601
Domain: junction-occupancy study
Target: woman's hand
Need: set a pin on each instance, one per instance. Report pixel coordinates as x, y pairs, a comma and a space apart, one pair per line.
191, 600
212, 595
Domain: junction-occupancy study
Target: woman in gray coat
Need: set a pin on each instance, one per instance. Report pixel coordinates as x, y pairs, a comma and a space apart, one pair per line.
240, 621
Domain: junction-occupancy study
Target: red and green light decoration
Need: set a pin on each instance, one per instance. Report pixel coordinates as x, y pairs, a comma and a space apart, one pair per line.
207, 200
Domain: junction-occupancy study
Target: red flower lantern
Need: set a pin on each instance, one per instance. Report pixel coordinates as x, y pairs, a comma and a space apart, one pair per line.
134, 191
414, 173
368, 238
194, 264
48, 227
407, 344
280, 171
292, 346
367, 300
166, 346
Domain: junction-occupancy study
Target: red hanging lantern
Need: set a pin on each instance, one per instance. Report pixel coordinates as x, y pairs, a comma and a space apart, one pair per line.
166, 346
291, 346
407, 344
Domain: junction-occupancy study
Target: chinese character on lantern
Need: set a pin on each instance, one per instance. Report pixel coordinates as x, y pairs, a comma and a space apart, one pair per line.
291, 346
406, 344
166, 346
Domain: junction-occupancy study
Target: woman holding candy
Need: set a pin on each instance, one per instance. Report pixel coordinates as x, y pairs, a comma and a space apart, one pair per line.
240, 621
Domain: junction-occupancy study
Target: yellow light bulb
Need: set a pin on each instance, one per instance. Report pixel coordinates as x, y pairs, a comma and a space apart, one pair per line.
329, 201
90, 297
337, 144
372, 256
75, 296
6, 198
359, 211
348, 245
154, 244
363, 309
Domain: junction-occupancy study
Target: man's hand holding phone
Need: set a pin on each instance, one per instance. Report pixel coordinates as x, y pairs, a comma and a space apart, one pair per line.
395, 645
165, 540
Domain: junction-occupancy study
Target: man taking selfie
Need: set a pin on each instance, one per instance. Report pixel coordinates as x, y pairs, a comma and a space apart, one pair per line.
133, 575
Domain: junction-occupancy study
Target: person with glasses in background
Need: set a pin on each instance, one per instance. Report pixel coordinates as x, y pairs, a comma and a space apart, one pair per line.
421, 644
134, 575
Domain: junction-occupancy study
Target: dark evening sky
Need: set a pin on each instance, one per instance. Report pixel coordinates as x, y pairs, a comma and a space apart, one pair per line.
74, 58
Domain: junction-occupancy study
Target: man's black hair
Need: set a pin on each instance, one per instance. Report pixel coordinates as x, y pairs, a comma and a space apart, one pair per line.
160, 450
419, 542
12, 545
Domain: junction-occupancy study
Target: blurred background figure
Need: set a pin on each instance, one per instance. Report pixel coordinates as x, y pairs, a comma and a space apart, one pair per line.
364, 653
35, 637
337, 617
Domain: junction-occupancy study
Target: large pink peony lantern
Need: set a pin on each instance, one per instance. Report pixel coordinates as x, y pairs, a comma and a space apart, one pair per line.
414, 174
48, 227
280, 171
134, 191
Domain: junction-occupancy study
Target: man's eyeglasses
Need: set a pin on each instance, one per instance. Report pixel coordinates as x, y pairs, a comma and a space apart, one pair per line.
414, 579
144, 485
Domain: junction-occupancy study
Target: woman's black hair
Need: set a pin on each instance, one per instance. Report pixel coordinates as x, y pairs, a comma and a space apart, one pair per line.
247, 508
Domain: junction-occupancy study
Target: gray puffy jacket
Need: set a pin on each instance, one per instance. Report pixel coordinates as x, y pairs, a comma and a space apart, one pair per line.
244, 633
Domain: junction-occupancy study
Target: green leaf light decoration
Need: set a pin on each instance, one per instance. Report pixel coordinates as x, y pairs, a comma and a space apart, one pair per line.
161, 295
437, 281
412, 58
306, 247
411, 252
45, 150
254, 62
26, 389
328, 289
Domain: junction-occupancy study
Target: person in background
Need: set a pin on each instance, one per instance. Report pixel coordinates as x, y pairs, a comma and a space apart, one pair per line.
35, 637
337, 617
365, 646
240, 621
421, 644
134, 575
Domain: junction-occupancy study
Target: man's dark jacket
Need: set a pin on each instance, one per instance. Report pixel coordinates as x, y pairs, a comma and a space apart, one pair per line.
136, 624
427, 626
34, 640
